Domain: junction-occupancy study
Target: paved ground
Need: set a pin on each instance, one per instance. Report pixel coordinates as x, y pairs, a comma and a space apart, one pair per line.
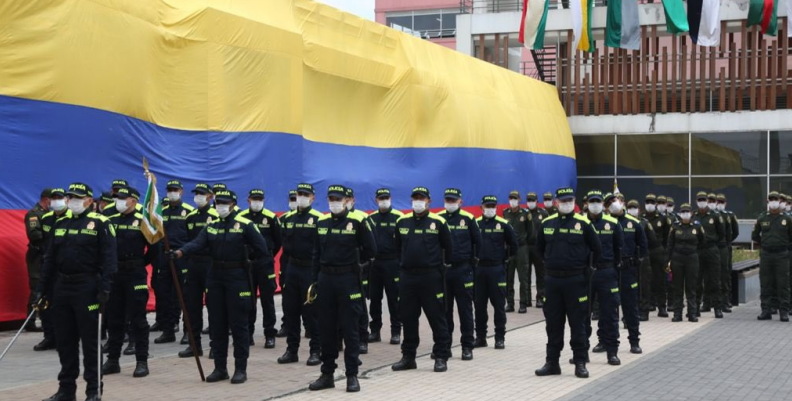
734, 358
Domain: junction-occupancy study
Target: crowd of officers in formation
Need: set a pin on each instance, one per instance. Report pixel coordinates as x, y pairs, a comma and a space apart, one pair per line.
88, 255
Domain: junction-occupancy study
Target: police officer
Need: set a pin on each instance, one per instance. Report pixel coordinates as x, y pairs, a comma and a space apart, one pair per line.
645, 274
522, 222
709, 255
657, 254
567, 241
733, 231
684, 241
35, 251
284, 261
466, 240
229, 291
537, 260
299, 236
344, 241
723, 257
605, 279
363, 323
198, 264
384, 275
109, 208
78, 271
263, 266
773, 232
174, 219
425, 242
499, 243
548, 204
129, 294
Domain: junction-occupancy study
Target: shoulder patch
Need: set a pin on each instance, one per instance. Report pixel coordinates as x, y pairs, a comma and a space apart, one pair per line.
324, 217
630, 217
408, 215
268, 213
609, 218
581, 218
194, 212
242, 219
97, 216
315, 212
353, 216
501, 219
466, 214
436, 217
114, 216
188, 206
48, 214
138, 215
442, 212
213, 212
551, 217
479, 218
244, 213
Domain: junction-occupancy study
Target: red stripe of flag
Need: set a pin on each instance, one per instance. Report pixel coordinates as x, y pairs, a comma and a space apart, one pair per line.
521, 38
767, 14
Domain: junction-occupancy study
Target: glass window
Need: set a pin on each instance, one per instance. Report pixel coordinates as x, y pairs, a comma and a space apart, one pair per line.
638, 188
781, 152
781, 184
449, 21
594, 154
649, 154
727, 153
404, 22
429, 22
745, 195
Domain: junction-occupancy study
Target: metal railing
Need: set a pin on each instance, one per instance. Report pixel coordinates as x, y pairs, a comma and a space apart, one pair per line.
500, 6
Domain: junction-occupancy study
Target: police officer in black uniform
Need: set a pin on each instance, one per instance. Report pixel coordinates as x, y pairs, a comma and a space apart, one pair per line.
498, 245
709, 256
78, 271
384, 275
549, 207
424, 240
263, 266
198, 264
605, 279
466, 240
537, 216
284, 261
567, 241
344, 241
657, 253
129, 295
229, 293
35, 251
684, 241
299, 236
733, 229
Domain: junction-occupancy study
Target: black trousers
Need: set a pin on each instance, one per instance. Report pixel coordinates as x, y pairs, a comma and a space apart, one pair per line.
195, 287
605, 287
423, 292
566, 298
490, 287
229, 300
264, 283
459, 288
340, 304
128, 300
168, 307
76, 313
628, 291
295, 288
384, 280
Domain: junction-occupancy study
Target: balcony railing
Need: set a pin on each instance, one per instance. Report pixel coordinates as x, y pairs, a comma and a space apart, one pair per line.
501, 6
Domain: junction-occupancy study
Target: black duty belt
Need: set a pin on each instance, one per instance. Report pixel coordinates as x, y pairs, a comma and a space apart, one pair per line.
489, 263
131, 264
338, 269
564, 273
387, 256
685, 251
78, 277
301, 262
460, 265
421, 271
774, 249
226, 265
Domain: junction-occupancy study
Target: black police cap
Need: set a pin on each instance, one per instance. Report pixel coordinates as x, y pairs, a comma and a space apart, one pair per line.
119, 183
453, 193
224, 195
306, 188
80, 190
337, 190
256, 193
174, 184
383, 193
489, 200
128, 192
420, 191
202, 188
565, 193
57, 192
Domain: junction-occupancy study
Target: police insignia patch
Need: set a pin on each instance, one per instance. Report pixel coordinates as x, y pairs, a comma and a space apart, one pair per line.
522, 218
659, 223
712, 221
462, 223
33, 222
432, 226
607, 226
349, 226
236, 226
209, 219
264, 221
497, 226
310, 220
694, 231
577, 226
540, 217
629, 224
135, 223
783, 222
90, 225
184, 213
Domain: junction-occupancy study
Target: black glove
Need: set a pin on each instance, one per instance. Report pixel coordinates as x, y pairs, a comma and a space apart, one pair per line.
40, 301
173, 255
102, 297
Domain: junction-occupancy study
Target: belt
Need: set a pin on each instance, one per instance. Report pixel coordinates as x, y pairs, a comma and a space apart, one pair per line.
76, 277
489, 263
201, 258
421, 271
774, 249
603, 266
458, 265
131, 264
387, 256
300, 262
564, 273
685, 251
338, 269
226, 265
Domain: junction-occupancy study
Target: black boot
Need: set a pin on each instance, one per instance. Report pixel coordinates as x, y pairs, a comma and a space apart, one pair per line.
288, 357
539, 303
581, 371
45, 345
156, 327
395, 339
549, 368
406, 363
217, 375
598, 348
727, 308
613, 359
440, 365
106, 348
363, 348
165, 338
93, 397
314, 359
467, 354
635, 349
783, 315
718, 313
211, 353
595, 315
677, 316
773, 311
240, 376
188, 353
61, 397
141, 369
509, 308
111, 367
500, 344
692, 318
765, 315
269, 342
480, 342
353, 385
374, 337
324, 381
523, 309
281, 333
643, 316
572, 360
662, 312
184, 340
205, 331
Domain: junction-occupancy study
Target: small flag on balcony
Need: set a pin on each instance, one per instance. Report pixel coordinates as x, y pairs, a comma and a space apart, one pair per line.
581, 24
622, 29
704, 21
676, 20
534, 19
765, 14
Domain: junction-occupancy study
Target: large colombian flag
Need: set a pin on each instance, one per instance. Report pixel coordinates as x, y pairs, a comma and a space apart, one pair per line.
255, 94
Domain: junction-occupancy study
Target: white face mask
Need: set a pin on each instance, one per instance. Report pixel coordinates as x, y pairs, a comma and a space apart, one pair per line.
532, 205
548, 204
773, 205
701, 204
615, 207
292, 205
223, 210
566, 207
595, 208
685, 216
514, 203
712, 205
722, 206
56, 205
256, 205
670, 209
384, 204
336, 207
77, 206
121, 205
174, 196
660, 208
650, 207
419, 206
200, 200
451, 207
303, 201
489, 212
633, 212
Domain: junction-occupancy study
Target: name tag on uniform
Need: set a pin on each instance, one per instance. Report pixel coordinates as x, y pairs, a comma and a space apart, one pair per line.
404, 231
549, 231
322, 231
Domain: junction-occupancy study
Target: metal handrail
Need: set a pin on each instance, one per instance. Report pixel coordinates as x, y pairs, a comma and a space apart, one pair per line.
497, 6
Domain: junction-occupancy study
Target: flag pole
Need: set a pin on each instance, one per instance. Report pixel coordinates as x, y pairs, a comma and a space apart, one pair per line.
179, 295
